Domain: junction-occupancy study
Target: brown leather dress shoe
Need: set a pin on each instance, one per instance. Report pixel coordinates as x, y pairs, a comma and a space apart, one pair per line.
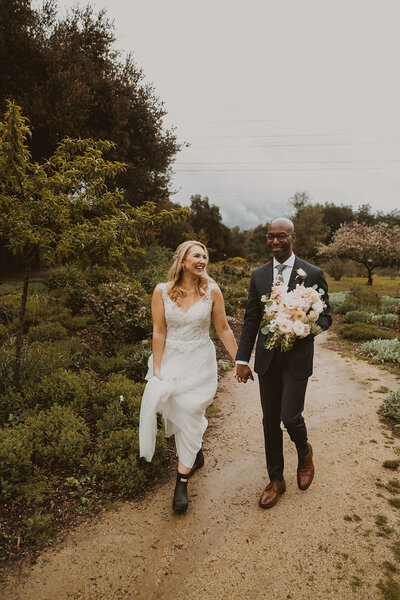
270, 495
305, 470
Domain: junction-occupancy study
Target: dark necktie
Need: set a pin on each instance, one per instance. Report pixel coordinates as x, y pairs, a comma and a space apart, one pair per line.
280, 269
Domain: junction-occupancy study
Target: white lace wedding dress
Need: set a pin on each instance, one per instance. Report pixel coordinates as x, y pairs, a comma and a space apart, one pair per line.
189, 372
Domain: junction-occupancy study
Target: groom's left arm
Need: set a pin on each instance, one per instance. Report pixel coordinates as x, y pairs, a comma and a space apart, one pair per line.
325, 318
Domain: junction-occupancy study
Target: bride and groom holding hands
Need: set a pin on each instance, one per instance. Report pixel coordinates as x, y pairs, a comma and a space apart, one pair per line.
182, 376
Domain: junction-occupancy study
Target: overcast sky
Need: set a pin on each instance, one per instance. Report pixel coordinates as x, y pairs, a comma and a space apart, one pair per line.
274, 97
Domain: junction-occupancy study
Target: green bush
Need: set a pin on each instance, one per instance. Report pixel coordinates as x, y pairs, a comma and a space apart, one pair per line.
3, 331
10, 305
118, 386
387, 320
357, 316
62, 387
47, 332
116, 463
136, 363
148, 278
107, 364
391, 406
365, 297
37, 360
391, 304
382, 350
59, 436
363, 331
78, 323
344, 307
12, 403
64, 275
39, 529
122, 312
15, 458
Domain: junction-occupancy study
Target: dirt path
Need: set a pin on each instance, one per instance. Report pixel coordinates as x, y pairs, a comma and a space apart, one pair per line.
225, 546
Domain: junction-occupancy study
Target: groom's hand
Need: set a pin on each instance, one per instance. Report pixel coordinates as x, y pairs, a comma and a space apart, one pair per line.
243, 373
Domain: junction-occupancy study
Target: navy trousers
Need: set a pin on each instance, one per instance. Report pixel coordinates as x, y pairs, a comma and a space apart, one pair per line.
282, 400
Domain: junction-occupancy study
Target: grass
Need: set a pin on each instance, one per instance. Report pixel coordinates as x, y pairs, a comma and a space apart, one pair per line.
384, 286
390, 589
391, 464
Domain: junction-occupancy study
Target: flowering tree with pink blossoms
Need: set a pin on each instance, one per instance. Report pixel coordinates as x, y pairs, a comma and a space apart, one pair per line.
370, 245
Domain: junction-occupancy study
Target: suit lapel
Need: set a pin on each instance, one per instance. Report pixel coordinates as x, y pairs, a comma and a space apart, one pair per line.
269, 276
292, 280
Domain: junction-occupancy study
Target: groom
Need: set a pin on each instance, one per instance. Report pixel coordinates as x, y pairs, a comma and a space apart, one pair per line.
282, 376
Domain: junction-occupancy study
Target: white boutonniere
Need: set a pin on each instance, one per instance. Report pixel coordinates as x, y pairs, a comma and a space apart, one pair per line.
301, 274
264, 298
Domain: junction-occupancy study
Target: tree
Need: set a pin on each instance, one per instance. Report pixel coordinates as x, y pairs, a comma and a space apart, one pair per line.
71, 81
370, 245
64, 207
207, 217
334, 216
308, 220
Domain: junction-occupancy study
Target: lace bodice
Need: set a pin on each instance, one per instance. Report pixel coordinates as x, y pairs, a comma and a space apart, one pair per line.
189, 329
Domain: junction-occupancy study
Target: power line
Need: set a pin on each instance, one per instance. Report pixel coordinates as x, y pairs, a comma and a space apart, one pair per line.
282, 170
311, 162
194, 147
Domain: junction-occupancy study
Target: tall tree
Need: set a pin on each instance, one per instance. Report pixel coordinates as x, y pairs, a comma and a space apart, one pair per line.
64, 207
71, 81
308, 220
370, 245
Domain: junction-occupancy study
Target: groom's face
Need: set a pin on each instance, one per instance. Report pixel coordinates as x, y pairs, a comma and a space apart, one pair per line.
280, 240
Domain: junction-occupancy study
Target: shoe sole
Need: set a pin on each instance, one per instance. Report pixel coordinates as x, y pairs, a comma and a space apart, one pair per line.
179, 510
266, 506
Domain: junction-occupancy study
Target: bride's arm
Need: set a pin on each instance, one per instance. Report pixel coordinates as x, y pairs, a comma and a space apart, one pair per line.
221, 324
159, 330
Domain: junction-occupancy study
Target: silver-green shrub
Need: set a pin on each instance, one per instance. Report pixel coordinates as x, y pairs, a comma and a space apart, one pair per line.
391, 406
382, 350
387, 320
357, 316
390, 304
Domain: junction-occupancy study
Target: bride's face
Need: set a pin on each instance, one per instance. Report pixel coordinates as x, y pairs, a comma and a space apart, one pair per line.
195, 261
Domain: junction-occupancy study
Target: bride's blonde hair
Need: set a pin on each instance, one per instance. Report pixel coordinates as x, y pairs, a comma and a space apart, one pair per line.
175, 291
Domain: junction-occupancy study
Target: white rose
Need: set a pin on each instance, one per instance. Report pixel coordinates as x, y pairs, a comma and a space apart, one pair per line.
301, 273
301, 329
284, 325
313, 316
318, 306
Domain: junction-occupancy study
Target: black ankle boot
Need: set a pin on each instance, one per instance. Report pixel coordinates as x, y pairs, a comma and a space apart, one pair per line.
198, 463
181, 501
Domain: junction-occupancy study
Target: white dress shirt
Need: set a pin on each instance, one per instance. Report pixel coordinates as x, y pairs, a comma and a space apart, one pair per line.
286, 273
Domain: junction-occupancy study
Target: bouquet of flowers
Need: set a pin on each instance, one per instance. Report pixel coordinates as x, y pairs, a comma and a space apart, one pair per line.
289, 316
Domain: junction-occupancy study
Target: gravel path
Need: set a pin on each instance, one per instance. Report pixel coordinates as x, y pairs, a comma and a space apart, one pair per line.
225, 546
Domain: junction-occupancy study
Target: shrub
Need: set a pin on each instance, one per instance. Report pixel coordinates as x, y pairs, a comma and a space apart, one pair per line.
64, 275
77, 323
364, 297
37, 360
136, 363
237, 259
3, 331
59, 436
122, 312
62, 387
118, 385
12, 404
149, 277
382, 350
391, 305
116, 463
363, 331
357, 316
387, 320
15, 458
344, 307
39, 528
107, 364
47, 332
336, 268
391, 406
9, 307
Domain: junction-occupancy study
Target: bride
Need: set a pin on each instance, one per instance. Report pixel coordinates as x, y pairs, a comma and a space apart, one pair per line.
182, 376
